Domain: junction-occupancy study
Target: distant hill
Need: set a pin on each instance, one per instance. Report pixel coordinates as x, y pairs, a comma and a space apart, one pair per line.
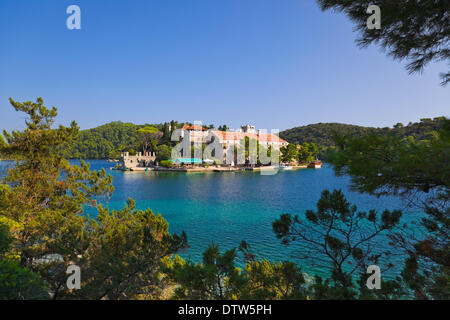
322, 133
109, 140
105, 141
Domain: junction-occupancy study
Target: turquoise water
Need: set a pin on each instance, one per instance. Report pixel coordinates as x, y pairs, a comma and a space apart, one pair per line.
227, 208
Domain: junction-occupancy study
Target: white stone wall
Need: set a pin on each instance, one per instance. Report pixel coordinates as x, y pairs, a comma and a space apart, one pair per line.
138, 160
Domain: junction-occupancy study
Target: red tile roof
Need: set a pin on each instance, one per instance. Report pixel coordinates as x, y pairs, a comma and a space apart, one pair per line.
261, 137
193, 127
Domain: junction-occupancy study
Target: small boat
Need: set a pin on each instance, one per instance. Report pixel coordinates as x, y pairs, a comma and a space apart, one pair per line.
285, 167
317, 164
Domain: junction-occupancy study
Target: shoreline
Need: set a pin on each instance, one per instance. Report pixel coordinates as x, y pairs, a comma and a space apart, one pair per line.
208, 169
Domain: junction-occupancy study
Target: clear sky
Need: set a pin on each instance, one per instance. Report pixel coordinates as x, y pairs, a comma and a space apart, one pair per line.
271, 63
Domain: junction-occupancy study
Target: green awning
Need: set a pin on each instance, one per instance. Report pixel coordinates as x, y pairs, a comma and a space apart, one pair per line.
188, 160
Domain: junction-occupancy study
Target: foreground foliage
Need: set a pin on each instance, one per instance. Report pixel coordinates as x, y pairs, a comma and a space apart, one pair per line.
419, 171
218, 277
417, 31
17, 282
341, 237
45, 198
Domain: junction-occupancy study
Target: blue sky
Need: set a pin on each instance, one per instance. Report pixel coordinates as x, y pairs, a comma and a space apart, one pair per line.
271, 63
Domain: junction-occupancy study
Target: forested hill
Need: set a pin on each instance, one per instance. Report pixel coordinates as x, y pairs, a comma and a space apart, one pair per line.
106, 141
322, 133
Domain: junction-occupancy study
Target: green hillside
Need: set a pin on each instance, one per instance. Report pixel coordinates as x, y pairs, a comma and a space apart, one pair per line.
322, 133
109, 140
105, 141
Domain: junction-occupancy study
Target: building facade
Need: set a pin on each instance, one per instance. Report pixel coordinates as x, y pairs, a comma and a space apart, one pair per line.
228, 140
199, 134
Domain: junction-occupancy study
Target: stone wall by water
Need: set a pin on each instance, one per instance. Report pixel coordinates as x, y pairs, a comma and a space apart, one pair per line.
139, 160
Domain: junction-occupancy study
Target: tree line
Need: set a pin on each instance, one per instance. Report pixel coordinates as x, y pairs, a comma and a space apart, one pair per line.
109, 140
323, 135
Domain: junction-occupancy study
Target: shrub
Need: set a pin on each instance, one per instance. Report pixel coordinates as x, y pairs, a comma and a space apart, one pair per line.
166, 164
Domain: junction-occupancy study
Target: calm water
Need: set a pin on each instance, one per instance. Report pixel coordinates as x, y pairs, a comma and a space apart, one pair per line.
227, 208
